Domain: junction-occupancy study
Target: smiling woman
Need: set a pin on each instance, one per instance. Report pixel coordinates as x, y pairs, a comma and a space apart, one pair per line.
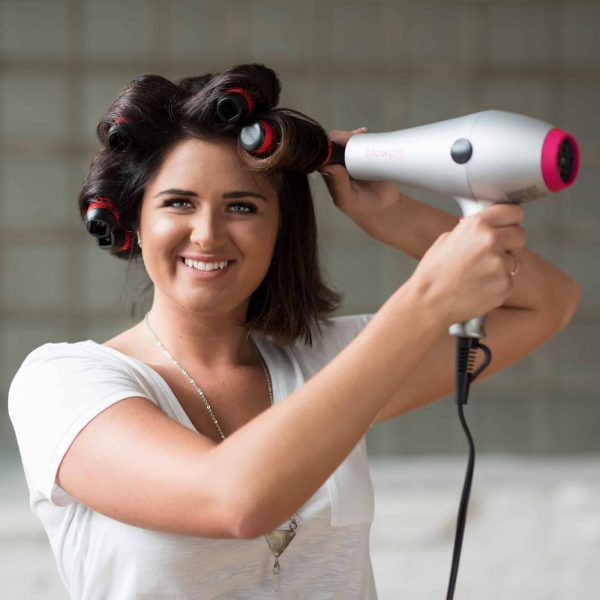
183, 457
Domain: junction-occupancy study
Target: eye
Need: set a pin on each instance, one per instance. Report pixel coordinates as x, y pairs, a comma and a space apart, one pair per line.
176, 202
243, 208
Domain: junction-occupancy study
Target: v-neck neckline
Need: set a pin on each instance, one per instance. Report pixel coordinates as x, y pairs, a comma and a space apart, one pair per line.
154, 374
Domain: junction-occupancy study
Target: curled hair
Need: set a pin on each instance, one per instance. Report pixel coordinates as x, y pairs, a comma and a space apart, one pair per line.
152, 114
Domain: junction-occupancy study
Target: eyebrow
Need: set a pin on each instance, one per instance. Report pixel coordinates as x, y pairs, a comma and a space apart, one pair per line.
236, 194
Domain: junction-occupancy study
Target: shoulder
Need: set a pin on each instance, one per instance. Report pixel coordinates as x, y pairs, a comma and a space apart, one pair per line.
59, 366
62, 354
54, 353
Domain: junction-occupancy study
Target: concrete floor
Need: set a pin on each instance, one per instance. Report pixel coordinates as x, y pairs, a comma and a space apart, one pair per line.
533, 531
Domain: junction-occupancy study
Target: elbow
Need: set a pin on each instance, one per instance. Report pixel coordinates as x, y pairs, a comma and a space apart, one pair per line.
246, 525
245, 521
248, 530
257, 518
239, 501
571, 303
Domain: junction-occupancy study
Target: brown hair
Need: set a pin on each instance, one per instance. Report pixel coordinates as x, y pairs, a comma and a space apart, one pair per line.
151, 115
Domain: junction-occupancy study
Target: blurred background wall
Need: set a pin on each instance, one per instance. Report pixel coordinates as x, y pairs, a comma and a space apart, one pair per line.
385, 64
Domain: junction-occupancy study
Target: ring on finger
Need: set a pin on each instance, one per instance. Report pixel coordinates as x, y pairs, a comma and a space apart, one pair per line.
517, 264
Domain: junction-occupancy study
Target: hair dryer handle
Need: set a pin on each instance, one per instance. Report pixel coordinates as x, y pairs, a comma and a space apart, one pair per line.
473, 328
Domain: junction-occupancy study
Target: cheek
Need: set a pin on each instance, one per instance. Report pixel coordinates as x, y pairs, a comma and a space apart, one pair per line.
161, 228
256, 243
259, 236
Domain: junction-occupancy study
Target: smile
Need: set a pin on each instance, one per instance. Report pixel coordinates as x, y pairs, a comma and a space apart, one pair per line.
202, 270
202, 266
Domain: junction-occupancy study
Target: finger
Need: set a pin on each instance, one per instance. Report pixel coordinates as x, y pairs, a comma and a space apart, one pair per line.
341, 137
337, 181
501, 215
332, 170
511, 239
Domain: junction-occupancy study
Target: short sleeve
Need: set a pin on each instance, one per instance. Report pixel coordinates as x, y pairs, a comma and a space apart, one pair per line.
58, 389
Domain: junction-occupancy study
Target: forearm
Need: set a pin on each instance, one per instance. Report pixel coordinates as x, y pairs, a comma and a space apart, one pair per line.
285, 454
412, 227
409, 225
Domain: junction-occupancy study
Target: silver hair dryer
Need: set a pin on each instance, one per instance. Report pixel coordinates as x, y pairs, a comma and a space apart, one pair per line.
479, 159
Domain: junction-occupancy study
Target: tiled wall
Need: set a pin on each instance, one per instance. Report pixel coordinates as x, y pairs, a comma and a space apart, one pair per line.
385, 64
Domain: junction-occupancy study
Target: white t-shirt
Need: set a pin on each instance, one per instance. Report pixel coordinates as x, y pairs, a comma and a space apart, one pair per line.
60, 387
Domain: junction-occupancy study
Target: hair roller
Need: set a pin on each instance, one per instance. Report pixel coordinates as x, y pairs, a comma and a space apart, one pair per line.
102, 221
234, 105
258, 137
119, 135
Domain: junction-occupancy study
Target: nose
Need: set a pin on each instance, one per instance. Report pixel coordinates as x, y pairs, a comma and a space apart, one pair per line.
208, 228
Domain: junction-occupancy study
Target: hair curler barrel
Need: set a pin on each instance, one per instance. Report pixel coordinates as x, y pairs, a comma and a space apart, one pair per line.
335, 155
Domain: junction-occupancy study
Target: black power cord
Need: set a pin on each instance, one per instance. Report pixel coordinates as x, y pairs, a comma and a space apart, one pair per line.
466, 350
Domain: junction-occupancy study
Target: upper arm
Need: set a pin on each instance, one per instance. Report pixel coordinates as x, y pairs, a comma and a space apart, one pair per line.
135, 464
512, 334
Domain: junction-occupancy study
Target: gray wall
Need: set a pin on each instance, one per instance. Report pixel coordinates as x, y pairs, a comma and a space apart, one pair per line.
384, 64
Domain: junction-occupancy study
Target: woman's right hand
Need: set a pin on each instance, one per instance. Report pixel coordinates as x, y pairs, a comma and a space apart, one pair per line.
465, 273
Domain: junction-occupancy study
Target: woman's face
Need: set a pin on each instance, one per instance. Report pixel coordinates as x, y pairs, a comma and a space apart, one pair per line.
205, 206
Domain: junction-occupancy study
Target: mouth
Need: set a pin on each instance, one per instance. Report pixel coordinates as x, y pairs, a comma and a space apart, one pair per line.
206, 267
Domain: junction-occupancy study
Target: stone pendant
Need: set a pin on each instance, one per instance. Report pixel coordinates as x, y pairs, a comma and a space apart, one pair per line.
279, 540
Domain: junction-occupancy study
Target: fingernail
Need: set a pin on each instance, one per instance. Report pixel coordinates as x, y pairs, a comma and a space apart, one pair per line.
462, 219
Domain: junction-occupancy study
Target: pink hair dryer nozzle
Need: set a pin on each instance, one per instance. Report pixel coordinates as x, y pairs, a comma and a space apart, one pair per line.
560, 160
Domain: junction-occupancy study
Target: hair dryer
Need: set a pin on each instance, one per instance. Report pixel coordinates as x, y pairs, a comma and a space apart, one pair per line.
479, 159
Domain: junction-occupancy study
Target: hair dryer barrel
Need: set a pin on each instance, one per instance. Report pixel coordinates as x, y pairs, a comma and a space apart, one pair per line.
491, 155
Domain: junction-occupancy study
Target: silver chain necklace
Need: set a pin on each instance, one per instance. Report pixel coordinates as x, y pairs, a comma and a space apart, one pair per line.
279, 539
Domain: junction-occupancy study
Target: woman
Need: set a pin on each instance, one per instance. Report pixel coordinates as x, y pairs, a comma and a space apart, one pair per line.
181, 458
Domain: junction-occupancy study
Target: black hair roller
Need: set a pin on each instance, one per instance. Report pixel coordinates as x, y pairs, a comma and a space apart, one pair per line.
102, 221
234, 105
119, 135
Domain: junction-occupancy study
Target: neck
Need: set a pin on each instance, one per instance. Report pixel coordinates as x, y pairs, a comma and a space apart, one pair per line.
214, 341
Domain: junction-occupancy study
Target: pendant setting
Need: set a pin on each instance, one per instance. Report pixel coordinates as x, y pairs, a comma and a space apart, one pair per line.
278, 540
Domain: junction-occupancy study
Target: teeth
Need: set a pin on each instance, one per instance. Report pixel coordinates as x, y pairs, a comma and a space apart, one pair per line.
205, 266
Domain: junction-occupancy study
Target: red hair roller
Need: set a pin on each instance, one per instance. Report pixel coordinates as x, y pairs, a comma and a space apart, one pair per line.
258, 138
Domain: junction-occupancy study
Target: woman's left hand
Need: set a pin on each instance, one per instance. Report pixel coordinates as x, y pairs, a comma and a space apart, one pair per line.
362, 201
